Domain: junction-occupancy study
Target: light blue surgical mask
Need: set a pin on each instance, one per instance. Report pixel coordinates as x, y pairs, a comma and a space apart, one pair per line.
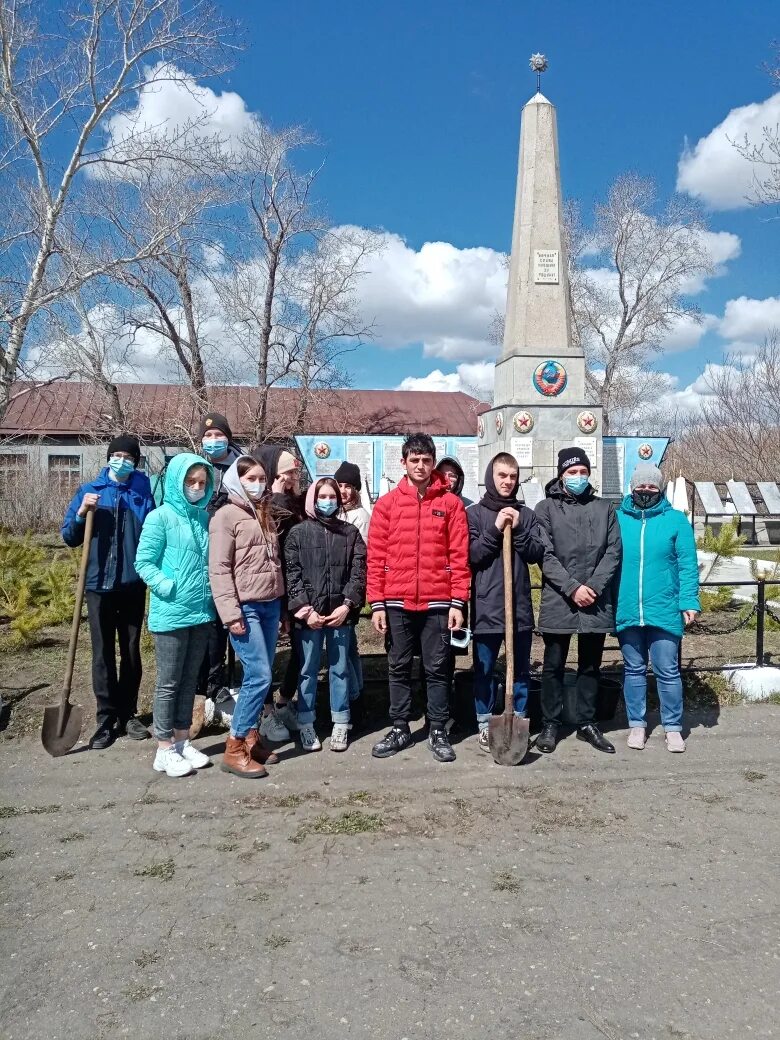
215, 448
194, 495
327, 506
254, 488
576, 484
120, 467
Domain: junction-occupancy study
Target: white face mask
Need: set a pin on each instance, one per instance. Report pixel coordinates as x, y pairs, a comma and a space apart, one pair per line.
194, 495
254, 488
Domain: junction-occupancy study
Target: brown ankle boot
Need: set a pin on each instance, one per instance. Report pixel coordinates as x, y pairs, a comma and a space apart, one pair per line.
257, 751
237, 759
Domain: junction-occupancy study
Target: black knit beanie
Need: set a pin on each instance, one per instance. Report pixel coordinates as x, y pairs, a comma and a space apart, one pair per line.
348, 473
124, 442
214, 421
572, 457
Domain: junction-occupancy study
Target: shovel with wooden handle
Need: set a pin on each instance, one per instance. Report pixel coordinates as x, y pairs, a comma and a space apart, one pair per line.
62, 725
507, 734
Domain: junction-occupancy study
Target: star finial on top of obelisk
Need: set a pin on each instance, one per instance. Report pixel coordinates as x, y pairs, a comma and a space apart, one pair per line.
539, 64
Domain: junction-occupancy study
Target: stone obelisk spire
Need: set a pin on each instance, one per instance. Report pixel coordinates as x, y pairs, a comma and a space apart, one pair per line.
541, 402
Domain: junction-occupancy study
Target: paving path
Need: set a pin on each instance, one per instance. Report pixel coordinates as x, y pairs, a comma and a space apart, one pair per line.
577, 897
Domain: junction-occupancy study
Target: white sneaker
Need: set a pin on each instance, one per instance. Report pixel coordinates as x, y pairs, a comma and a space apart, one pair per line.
309, 739
273, 729
168, 760
190, 754
636, 738
288, 716
208, 712
339, 738
675, 742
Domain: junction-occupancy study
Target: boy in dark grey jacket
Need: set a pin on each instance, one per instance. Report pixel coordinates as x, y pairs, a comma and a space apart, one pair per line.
487, 519
578, 596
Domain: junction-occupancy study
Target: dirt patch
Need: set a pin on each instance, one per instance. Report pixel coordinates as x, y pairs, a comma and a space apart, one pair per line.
163, 871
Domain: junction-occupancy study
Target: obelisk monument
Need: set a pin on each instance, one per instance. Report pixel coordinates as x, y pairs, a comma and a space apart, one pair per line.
541, 403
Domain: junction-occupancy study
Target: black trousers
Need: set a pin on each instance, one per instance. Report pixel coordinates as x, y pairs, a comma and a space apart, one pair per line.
116, 616
211, 677
406, 631
590, 650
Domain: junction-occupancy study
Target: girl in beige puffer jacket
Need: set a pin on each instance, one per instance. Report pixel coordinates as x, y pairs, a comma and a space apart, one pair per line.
245, 572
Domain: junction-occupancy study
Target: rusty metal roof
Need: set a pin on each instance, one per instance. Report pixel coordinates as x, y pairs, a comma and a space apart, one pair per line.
163, 411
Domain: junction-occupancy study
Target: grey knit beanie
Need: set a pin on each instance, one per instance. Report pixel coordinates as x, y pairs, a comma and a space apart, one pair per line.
646, 473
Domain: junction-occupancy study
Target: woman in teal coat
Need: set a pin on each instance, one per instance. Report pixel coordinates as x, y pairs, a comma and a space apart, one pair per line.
657, 598
172, 559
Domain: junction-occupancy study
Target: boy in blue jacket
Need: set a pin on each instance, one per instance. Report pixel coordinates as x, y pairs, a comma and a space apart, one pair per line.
116, 596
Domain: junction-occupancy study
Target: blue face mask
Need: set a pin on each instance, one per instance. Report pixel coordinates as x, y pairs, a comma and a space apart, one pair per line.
120, 467
214, 449
576, 484
254, 488
327, 506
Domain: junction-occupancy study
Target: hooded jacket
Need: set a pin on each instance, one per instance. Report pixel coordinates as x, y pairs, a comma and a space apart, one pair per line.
173, 552
458, 489
487, 564
220, 468
659, 576
418, 549
286, 508
121, 510
584, 549
244, 561
325, 559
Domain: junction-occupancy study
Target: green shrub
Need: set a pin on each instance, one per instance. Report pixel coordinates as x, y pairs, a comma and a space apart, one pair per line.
37, 588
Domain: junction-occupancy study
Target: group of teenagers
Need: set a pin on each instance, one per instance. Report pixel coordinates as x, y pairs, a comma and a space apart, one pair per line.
229, 548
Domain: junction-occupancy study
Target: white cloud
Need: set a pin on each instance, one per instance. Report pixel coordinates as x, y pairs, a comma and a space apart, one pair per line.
749, 321
722, 246
170, 103
438, 295
713, 170
476, 378
685, 333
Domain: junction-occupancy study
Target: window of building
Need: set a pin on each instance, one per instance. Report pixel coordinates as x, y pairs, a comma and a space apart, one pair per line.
12, 468
65, 471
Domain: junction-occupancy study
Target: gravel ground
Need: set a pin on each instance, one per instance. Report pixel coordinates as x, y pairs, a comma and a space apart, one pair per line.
577, 897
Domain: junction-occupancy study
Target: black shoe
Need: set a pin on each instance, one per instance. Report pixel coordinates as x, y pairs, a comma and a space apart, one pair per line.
440, 746
547, 739
392, 742
103, 737
593, 735
133, 728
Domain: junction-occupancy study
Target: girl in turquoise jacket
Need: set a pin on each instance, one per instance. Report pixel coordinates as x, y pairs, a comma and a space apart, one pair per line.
172, 559
658, 596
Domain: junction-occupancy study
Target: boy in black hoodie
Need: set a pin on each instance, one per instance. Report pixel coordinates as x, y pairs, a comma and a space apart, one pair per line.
487, 519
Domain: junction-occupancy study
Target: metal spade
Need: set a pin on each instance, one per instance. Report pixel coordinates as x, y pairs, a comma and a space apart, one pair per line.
507, 734
62, 725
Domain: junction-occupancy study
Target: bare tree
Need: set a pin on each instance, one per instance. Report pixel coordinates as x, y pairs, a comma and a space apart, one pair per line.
61, 86
765, 153
737, 430
623, 309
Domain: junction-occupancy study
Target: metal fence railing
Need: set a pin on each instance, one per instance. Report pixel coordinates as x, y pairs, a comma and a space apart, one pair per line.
735, 635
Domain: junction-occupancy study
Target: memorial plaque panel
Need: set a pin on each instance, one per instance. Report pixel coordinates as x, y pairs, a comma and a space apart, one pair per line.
532, 492
740, 496
546, 266
771, 495
710, 499
523, 450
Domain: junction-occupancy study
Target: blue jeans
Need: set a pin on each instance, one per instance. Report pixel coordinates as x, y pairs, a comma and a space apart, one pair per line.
255, 650
486, 648
355, 667
309, 642
637, 644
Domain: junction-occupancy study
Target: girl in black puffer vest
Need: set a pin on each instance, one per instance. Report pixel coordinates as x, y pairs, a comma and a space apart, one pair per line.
326, 587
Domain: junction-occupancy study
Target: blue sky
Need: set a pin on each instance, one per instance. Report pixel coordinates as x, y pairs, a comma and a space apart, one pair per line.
417, 107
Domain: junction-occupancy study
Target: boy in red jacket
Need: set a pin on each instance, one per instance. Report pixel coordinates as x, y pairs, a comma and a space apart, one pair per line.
418, 585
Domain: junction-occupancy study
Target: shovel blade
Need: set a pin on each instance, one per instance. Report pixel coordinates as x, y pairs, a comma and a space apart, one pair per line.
59, 737
508, 739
